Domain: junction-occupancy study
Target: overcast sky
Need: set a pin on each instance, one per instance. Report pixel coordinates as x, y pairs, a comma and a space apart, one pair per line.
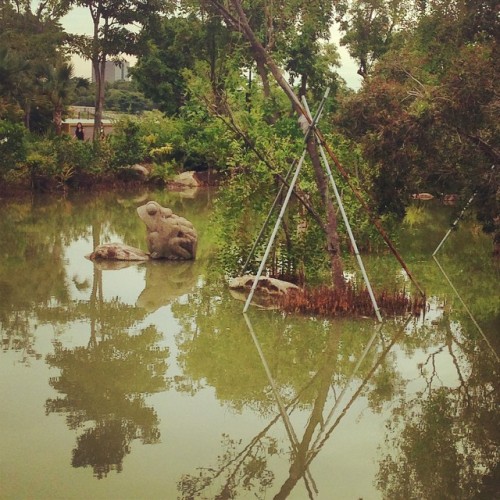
78, 21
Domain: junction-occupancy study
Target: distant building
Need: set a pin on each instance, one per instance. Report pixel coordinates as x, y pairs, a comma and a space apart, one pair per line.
114, 71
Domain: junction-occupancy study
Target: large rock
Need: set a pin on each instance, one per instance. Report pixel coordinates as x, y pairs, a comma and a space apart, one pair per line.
169, 236
188, 179
268, 292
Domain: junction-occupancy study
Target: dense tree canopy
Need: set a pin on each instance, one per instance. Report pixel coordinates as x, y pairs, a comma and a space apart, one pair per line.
426, 116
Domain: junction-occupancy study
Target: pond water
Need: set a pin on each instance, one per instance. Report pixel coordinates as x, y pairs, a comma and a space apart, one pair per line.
148, 382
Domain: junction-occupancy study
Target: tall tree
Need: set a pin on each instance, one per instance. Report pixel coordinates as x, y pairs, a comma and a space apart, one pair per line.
57, 84
369, 26
426, 117
30, 37
114, 34
176, 44
236, 17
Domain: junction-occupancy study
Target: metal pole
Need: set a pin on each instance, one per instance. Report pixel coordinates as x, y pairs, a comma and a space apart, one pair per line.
346, 222
283, 207
460, 215
275, 231
282, 187
357, 194
266, 222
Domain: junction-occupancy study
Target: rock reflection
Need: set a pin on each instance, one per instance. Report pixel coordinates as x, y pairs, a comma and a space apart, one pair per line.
166, 281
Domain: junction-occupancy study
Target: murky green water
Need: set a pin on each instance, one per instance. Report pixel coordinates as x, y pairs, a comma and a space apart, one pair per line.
147, 382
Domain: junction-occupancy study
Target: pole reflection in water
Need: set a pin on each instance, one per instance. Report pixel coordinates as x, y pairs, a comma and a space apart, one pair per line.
249, 466
305, 451
310, 484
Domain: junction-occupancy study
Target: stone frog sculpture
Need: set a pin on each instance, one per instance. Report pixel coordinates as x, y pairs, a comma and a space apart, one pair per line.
169, 236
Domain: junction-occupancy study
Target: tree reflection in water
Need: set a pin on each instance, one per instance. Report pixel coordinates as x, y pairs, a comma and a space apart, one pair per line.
444, 442
104, 384
248, 469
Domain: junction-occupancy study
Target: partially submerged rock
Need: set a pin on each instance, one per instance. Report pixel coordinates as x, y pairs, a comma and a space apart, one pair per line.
422, 196
188, 179
142, 170
118, 251
268, 292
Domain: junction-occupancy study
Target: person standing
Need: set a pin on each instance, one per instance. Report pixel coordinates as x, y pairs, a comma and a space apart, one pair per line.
79, 132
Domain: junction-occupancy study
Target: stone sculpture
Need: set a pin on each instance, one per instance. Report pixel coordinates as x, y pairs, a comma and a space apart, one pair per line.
169, 236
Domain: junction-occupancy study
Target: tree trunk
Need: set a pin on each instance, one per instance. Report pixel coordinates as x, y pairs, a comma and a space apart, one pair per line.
27, 113
99, 96
332, 235
57, 119
262, 71
98, 65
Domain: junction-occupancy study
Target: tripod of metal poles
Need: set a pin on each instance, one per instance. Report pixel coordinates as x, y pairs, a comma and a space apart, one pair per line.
296, 167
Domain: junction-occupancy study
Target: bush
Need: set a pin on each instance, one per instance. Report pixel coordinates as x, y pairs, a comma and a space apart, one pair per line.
126, 143
79, 155
12, 145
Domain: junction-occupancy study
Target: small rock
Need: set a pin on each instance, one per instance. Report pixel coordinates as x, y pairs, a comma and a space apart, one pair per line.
267, 292
118, 251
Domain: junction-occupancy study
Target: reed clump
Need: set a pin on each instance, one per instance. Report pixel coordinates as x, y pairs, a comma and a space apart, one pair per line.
351, 301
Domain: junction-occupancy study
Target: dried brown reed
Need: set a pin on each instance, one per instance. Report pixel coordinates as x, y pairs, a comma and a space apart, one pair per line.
328, 302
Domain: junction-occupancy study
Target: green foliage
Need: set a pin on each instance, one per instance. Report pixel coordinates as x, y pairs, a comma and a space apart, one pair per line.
161, 172
176, 45
426, 118
42, 162
28, 39
126, 143
12, 145
80, 155
125, 97
206, 138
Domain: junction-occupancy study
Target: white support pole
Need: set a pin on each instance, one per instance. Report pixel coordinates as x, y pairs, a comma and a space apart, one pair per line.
285, 204
346, 221
275, 231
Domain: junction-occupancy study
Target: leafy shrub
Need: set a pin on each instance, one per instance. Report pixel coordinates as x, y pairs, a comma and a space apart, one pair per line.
79, 155
41, 166
127, 145
12, 145
162, 172
161, 153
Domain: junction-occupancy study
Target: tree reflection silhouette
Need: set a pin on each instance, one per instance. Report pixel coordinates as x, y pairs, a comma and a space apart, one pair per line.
249, 469
444, 443
106, 382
